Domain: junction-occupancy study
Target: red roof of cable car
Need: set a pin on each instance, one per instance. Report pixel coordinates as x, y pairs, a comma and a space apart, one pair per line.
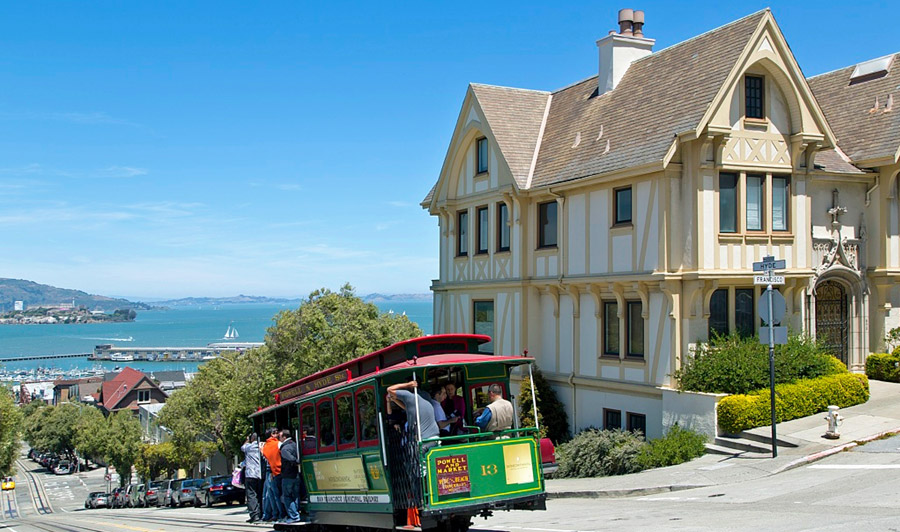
480, 338
450, 359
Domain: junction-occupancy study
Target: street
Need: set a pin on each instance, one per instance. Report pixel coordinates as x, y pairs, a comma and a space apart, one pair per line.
854, 490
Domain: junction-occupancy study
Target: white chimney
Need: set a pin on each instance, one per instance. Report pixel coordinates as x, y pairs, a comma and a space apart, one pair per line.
619, 50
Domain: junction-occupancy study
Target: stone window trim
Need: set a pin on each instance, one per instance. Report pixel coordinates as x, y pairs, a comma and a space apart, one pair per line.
768, 212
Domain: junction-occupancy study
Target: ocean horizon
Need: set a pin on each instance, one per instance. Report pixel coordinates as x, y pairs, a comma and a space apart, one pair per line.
181, 326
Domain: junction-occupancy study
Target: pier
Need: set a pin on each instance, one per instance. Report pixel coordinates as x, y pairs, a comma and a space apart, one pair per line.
46, 357
114, 353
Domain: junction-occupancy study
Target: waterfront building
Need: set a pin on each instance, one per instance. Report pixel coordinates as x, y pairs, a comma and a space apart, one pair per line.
608, 226
128, 390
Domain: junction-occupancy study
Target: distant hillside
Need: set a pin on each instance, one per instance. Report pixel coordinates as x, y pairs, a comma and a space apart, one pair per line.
241, 299
398, 298
34, 294
199, 301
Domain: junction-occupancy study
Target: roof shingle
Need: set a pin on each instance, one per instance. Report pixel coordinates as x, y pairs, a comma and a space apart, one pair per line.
863, 135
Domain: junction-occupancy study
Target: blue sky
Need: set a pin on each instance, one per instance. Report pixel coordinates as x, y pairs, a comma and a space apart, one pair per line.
168, 149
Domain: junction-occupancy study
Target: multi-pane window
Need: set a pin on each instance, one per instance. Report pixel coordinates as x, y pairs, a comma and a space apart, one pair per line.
547, 224
484, 323
753, 97
623, 205
612, 419
728, 203
755, 208
483, 227
462, 233
143, 396
610, 328
637, 422
743, 312
780, 201
482, 155
718, 313
635, 330
502, 227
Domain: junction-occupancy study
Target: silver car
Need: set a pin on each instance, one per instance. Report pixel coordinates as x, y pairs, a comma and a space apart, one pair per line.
186, 492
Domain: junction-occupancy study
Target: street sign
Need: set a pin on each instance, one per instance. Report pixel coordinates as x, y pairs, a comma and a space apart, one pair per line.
780, 334
768, 264
768, 279
778, 307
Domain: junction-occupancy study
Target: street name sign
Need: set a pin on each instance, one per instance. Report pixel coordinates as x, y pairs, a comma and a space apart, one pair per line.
768, 279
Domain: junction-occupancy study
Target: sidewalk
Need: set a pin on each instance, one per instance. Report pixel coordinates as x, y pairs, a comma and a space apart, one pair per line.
865, 422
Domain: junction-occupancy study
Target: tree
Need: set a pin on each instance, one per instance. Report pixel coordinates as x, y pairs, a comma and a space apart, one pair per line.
155, 460
327, 329
123, 443
92, 434
10, 429
52, 428
551, 411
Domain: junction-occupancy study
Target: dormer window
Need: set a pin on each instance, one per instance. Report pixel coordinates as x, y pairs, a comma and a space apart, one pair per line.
754, 97
143, 396
482, 155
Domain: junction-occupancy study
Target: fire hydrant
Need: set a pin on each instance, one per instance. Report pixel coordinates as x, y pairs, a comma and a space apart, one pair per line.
834, 419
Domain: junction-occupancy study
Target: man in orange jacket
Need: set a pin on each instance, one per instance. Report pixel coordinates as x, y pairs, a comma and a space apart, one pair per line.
273, 508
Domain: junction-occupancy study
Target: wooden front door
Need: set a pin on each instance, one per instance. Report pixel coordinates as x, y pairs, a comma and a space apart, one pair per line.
832, 320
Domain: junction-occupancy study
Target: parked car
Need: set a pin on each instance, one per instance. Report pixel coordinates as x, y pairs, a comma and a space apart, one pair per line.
64, 467
130, 494
548, 457
217, 489
173, 491
149, 495
185, 493
116, 497
97, 499
165, 492
134, 495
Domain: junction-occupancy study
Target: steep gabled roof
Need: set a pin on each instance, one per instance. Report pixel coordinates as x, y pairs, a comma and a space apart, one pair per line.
115, 390
660, 96
863, 133
514, 116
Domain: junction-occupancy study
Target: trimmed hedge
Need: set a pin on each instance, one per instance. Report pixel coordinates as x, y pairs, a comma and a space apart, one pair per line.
732, 364
800, 399
883, 366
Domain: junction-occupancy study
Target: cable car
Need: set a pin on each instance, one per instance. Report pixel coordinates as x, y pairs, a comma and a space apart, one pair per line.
9, 483
364, 468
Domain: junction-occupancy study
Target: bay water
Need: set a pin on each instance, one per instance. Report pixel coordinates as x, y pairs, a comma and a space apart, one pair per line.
188, 326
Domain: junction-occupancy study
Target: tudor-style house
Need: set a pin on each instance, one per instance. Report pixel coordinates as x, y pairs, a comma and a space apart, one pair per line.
610, 225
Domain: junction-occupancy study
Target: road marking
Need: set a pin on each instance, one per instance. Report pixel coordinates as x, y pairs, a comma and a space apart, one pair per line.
851, 466
126, 527
544, 529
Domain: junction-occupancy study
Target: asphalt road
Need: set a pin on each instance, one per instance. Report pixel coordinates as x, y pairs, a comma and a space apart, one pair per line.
855, 490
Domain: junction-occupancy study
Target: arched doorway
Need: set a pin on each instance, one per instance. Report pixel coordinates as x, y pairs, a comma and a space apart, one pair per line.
833, 320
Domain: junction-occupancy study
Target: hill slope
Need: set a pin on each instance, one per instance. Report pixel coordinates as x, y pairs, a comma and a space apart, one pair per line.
33, 294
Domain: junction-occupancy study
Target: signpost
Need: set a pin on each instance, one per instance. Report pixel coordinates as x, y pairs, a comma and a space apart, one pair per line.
771, 313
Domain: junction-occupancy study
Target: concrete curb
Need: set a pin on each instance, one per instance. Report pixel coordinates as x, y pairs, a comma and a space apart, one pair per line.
621, 493
834, 450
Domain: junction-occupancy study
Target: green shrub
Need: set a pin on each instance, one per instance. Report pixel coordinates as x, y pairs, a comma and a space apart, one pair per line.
731, 364
595, 453
554, 422
803, 398
883, 366
677, 446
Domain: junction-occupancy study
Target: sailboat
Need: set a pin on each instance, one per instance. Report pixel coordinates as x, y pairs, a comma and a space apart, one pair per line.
231, 333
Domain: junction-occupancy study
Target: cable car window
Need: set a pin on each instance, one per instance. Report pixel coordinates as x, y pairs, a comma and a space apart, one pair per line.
308, 419
326, 425
346, 425
479, 394
365, 412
